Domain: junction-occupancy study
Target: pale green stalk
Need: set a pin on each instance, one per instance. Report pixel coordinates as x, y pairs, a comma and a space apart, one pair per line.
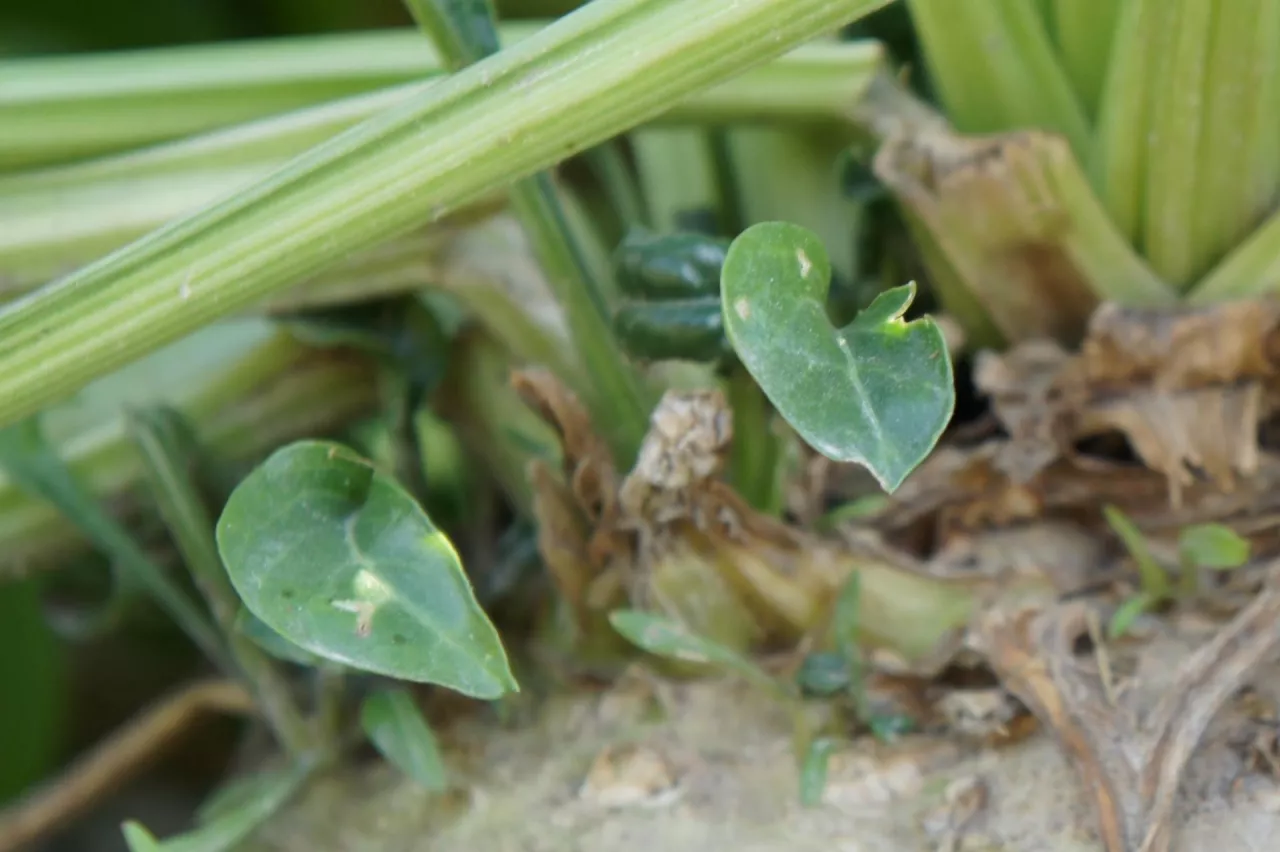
792, 175
611, 170
57, 108
464, 32
677, 172
45, 102
1178, 128
1238, 163
1252, 269
54, 220
158, 436
593, 74
1084, 31
995, 68
1117, 163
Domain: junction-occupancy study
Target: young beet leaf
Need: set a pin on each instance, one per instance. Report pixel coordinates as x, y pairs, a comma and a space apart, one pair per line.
877, 392
338, 559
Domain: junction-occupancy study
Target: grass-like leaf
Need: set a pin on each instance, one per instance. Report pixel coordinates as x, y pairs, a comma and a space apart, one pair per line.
1154, 579
394, 724
665, 637
233, 822
32, 463
813, 771
877, 392
339, 559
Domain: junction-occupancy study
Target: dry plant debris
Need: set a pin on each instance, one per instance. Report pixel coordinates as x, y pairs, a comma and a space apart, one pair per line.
1011, 516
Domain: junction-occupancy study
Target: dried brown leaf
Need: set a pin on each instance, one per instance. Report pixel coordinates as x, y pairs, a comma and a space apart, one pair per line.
588, 464
1180, 347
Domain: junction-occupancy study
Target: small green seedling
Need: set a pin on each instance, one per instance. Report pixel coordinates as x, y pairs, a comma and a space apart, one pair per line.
1201, 547
877, 392
831, 673
338, 559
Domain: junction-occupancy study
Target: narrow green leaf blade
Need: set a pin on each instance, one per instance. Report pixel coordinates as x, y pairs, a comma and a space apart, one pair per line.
234, 822
1213, 546
138, 838
813, 771
877, 392
665, 637
32, 463
1124, 616
338, 559
394, 724
1155, 582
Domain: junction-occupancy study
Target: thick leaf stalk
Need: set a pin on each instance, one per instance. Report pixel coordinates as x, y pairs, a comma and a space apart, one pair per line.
1237, 164
1177, 129
59, 108
601, 70
1117, 164
1251, 269
1185, 151
790, 175
1084, 32
678, 174
996, 69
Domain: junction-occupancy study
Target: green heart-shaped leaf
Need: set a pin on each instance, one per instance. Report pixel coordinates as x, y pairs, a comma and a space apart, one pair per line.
877, 392
338, 559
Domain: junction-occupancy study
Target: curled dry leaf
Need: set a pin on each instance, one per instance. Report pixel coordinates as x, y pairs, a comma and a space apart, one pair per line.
1187, 388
